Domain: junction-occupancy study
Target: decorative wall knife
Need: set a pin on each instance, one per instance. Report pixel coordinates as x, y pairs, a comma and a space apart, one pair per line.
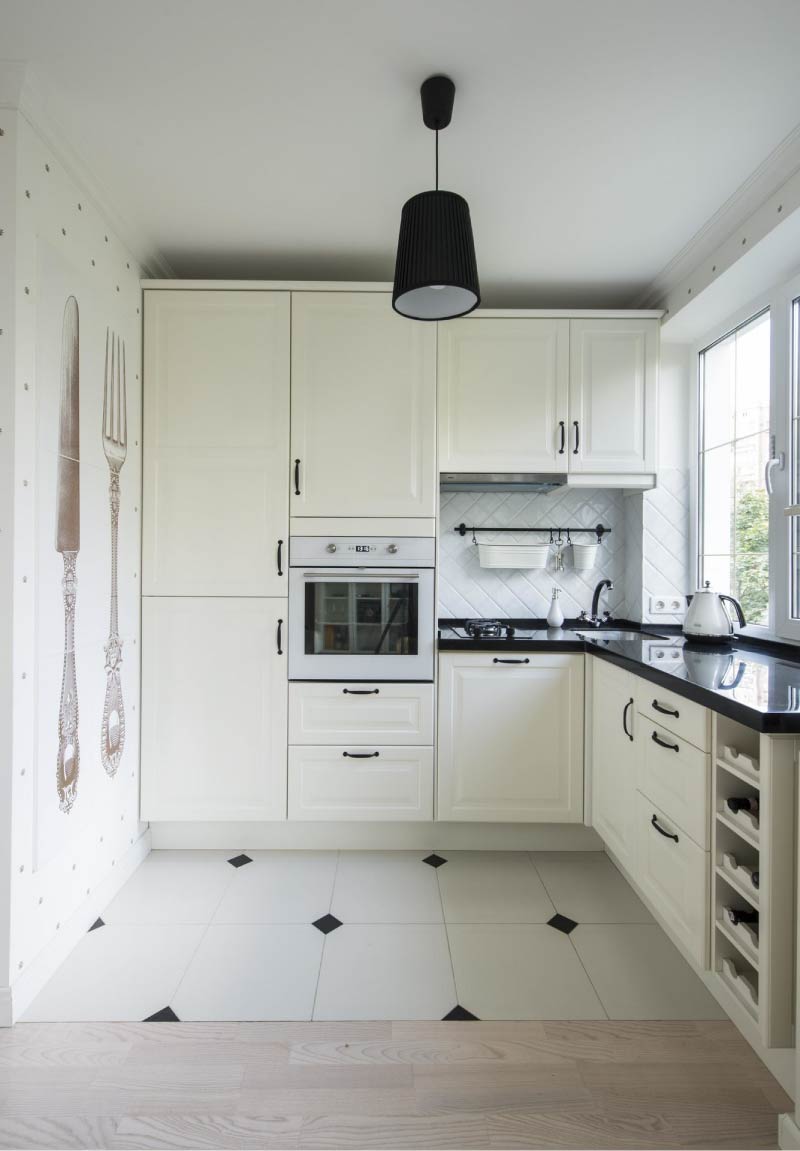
68, 542
115, 446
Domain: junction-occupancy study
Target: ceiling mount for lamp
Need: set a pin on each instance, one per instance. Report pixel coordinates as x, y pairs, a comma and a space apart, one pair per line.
436, 277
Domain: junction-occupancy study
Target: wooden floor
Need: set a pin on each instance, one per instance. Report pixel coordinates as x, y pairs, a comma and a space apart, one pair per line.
425, 1085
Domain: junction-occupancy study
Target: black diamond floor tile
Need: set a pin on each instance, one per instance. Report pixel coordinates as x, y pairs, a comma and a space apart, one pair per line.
434, 860
458, 1013
97, 923
165, 1015
562, 923
327, 924
239, 860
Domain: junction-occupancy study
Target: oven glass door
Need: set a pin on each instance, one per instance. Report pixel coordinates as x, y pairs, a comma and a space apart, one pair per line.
362, 624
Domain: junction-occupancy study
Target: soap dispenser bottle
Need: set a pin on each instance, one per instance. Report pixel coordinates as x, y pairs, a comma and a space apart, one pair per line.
555, 616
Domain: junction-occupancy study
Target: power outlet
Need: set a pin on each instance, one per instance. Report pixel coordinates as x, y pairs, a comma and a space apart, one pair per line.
667, 604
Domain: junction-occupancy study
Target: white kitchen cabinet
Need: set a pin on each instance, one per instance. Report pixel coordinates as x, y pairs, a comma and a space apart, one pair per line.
510, 737
363, 408
332, 713
214, 708
359, 783
503, 395
216, 443
614, 757
613, 394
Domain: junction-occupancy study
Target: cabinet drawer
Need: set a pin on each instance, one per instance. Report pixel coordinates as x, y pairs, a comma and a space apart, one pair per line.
394, 783
678, 715
345, 713
674, 876
675, 774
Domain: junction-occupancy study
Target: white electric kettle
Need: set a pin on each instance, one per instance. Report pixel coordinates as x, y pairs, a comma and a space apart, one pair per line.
707, 618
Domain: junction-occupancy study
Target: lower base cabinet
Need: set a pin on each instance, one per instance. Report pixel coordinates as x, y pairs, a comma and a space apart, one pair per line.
613, 750
510, 737
361, 783
214, 702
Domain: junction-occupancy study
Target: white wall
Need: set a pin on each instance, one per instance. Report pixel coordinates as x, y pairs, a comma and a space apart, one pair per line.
65, 865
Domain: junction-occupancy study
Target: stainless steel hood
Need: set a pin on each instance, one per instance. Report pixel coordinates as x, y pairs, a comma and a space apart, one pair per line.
501, 481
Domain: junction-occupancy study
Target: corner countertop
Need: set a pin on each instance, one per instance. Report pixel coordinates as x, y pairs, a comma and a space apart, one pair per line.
757, 684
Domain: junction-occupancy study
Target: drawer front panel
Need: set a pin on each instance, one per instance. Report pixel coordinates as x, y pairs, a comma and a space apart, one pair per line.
674, 876
675, 775
325, 783
680, 716
345, 713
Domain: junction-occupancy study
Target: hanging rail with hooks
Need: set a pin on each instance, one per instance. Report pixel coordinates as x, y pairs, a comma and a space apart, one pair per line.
555, 533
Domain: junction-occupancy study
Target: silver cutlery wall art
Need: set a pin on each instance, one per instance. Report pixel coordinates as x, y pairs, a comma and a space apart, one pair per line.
115, 442
68, 542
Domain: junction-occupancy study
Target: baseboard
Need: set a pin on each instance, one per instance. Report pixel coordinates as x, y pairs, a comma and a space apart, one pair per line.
31, 981
310, 836
788, 1133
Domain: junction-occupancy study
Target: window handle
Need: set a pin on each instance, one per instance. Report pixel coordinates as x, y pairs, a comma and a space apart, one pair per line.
776, 460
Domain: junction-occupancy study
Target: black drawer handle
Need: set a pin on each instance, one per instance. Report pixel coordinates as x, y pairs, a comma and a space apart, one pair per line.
625, 711
361, 754
665, 710
280, 637
297, 477
280, 557
663, 743
660, 830
361, 691
577, 448
563, 437
511, 661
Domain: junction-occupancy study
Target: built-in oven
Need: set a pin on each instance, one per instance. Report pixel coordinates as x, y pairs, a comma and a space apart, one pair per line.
361, 608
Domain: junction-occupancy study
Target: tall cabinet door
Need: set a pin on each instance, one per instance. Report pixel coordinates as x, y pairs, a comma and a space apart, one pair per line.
214, 709
503, 395
614, 759
216, 442
363, 408
510, 738
613, 394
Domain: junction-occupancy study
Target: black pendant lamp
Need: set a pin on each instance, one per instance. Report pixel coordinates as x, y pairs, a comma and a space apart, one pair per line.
435, 276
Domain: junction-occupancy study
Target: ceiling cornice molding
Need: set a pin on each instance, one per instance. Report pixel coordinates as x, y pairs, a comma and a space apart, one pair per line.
736, 215
20, 92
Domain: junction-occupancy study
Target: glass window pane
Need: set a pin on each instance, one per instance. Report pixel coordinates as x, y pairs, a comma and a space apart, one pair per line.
718, 515
718, 570
752, 377
752, 586
719, 383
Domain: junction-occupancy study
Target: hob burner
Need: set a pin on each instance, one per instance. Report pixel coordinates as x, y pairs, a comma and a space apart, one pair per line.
486, 628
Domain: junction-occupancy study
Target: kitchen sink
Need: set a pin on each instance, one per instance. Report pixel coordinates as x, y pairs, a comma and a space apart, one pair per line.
618, 634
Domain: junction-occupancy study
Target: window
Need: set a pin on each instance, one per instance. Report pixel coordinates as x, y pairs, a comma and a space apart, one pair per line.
733, 551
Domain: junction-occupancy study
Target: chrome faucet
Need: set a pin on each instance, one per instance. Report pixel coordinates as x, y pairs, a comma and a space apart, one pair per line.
596, 602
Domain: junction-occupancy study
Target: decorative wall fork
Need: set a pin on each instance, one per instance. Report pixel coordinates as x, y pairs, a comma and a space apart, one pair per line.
115, 446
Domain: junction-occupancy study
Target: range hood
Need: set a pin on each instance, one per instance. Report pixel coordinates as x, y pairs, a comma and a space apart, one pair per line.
501, 481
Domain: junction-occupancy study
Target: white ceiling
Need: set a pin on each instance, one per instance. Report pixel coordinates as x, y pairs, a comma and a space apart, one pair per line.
279, 138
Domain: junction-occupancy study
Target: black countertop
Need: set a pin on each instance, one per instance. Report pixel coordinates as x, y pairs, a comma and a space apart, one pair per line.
756, 683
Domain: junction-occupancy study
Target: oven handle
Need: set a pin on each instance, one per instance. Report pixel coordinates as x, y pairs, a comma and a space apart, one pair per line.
356, 575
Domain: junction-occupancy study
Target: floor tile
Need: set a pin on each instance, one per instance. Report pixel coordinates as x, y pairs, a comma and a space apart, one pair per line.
251, 971
386, 887
520, 971
492, 887
591, 892
119, 972
386, 971
173, 887
639, 974
280, 887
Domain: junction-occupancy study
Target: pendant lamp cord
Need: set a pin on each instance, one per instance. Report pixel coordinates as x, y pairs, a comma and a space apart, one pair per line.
437, 159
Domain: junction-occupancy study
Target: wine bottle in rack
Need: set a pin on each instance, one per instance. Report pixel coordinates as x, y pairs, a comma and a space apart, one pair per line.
748, 803
732, 864
738, 915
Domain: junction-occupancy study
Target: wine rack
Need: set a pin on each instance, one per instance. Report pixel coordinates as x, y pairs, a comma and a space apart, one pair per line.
752, 944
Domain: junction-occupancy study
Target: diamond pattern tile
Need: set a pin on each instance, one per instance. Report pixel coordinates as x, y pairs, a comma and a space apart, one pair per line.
562, 923
97, 923
434, 860
239, 860
165, 1015
458, 1014
327, 924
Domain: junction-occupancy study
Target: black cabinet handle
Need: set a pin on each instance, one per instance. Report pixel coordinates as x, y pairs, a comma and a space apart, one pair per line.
361, 754
280, 557
297, 477
577, 437
625, 711
280, 635
563, 437
660, 830
665, 710
511, 661
361, 691
663, 743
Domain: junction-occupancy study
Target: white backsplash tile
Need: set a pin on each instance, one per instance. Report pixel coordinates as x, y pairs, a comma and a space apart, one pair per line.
665, 540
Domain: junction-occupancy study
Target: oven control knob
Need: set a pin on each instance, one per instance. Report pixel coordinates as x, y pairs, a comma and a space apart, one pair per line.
331, 548
392, 548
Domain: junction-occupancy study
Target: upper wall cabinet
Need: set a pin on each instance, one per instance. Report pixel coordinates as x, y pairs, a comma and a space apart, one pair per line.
216, 442
503, 395
363, 408
613, 395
